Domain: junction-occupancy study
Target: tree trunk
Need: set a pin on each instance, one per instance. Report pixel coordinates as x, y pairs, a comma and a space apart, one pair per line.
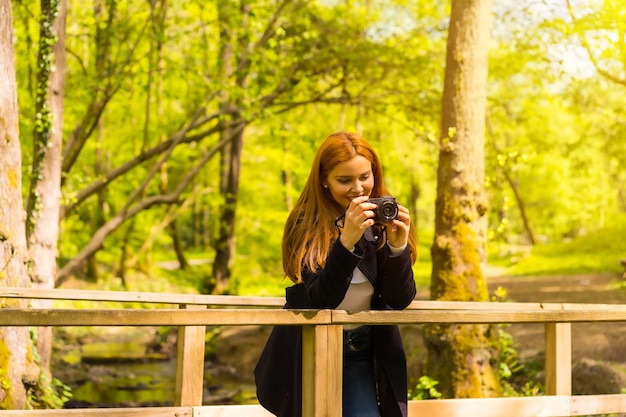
177, 243
506, 171
107, 80
463, 358
121, 269
206, 219
96, 218
225, 242
530, 233
16, 361
286, 175
233, 33
416, 192
45, 188
173, 227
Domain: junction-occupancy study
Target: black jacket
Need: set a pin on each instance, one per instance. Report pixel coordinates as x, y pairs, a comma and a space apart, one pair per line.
278, 373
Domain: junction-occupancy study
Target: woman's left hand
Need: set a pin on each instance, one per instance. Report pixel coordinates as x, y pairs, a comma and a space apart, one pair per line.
398, 230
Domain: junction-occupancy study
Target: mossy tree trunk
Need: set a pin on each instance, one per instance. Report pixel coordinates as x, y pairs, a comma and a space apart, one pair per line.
16, 352
44, 198
463, 358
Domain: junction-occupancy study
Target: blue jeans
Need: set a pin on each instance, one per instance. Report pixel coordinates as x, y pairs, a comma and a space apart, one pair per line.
359, 393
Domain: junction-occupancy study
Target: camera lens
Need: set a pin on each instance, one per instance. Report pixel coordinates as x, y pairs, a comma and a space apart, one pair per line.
388, 210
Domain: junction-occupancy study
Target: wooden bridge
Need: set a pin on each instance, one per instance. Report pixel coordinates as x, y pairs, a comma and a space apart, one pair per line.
322, 348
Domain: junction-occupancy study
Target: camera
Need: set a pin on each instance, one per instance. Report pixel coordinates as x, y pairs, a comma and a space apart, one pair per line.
387, 209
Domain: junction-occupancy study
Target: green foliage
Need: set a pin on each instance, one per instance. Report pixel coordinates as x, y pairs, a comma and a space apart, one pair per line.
5, 382
551, 139
48, 393
599, 250
210, 344
516, 378
321, 66
425, 389
509, 363
186, 280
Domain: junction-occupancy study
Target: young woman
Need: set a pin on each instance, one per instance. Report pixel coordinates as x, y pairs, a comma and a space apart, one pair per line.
342, 253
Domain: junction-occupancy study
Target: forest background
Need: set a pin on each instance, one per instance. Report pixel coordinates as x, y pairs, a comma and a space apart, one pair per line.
189, 128
138, 75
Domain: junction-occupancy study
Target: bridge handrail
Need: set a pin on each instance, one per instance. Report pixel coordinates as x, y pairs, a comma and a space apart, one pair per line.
139, 297
321, 346
244, 317
264, 301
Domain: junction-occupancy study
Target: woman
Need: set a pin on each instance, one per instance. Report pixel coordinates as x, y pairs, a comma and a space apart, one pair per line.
340, 254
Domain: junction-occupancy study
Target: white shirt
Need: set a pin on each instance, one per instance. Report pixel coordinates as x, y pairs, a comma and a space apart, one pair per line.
360, 292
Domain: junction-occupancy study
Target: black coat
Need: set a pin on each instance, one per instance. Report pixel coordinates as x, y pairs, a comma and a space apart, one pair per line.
278, 373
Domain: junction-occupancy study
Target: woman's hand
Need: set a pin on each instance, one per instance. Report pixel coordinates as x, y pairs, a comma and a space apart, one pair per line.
398, 230
359, 216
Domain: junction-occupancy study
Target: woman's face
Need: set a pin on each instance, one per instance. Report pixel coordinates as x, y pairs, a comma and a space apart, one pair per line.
350, 179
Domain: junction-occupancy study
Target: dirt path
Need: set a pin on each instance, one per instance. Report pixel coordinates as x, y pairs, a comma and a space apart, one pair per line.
597, 341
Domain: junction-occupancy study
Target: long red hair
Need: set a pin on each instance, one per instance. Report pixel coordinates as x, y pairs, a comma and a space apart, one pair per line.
310, 228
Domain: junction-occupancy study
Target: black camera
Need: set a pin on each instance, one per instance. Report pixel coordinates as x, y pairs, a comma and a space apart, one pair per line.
387, 209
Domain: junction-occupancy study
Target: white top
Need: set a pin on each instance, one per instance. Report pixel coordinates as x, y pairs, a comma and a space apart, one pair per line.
360, 292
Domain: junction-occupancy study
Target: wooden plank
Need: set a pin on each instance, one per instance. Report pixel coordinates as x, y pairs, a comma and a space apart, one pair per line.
160, 317
335, 370
322, 359
558, 364
509, 306
543, 406
235, 317
190, 362
200, 411
475, 316
141, 297
259, 301
312, 354
548, 406
232, 411
309, 337
104, 412
584, 405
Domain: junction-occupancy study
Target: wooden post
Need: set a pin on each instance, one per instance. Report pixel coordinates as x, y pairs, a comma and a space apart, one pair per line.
322, 362
558, 359
190, 362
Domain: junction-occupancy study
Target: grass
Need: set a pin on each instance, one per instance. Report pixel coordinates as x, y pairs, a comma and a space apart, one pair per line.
598, 251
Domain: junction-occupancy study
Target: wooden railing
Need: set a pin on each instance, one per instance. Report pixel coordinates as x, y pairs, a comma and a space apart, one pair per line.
322, 344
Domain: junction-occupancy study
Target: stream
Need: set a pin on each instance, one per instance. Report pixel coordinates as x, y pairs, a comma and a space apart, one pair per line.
117, 369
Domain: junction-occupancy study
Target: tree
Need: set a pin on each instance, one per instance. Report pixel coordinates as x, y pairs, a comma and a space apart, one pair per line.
233, 68
151, 93
223, 107
462, 357
552, 116
607, 53
16, 365
42, 224
602, 33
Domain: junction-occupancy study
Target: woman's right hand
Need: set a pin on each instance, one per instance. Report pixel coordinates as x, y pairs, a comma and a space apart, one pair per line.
359, 216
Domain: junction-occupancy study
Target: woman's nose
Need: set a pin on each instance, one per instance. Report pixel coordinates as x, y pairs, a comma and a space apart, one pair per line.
358, 186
